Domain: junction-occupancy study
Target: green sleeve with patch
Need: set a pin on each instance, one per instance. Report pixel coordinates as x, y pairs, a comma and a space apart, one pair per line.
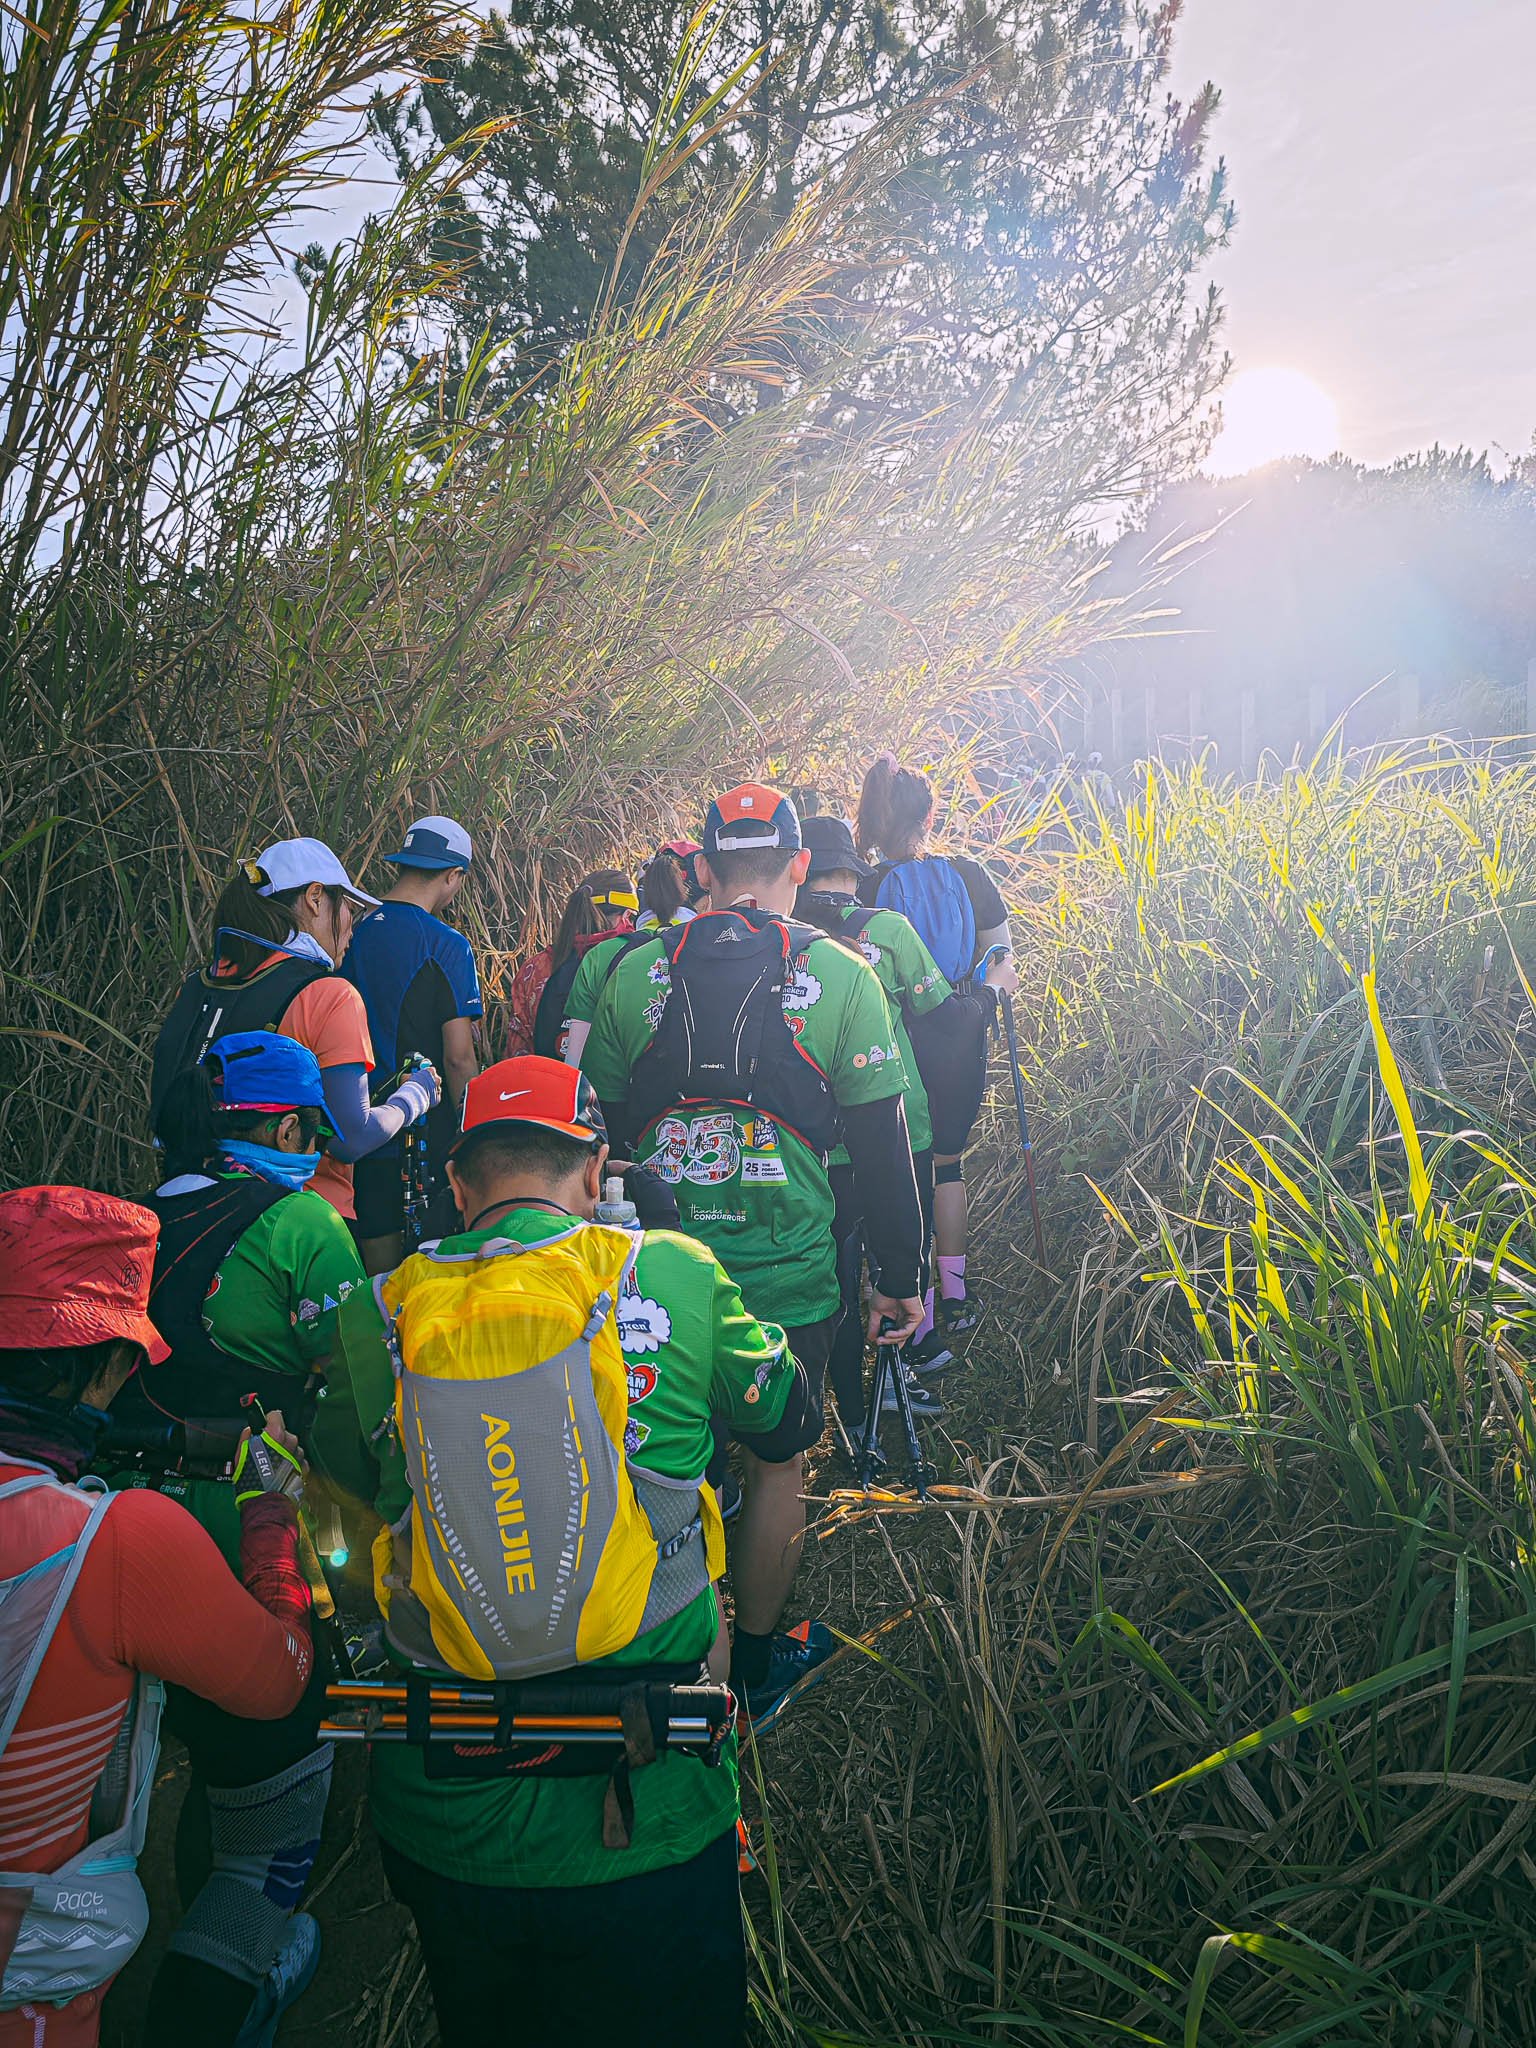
919, 984
587, 989
864, 1061
753, 1371
620, 1028
313, 1248
359, 1395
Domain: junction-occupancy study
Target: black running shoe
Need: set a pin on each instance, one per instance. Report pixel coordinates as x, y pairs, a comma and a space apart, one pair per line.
932, 1355
958, 1318
923, 1401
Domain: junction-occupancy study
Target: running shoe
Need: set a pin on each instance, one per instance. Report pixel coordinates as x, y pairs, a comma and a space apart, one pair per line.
923, 1401
932, 1355
958, 1318
288, 1979
797, 1657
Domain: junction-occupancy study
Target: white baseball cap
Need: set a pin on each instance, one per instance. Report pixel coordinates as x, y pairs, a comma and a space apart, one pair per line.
295, 863
434, 843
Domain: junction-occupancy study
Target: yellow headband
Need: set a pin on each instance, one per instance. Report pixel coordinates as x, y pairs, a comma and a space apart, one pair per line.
619, 899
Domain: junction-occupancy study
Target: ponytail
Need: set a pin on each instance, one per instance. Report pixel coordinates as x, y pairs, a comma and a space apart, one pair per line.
261, 922
582, 917
185, 1129
895, 806
667, 884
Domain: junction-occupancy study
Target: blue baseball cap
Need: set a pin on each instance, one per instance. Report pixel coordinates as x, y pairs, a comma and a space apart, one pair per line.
263, 1070
750, 816
434, 843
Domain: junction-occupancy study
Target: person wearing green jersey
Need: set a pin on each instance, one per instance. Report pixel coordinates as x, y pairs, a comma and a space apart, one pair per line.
917, 994
730, 1056
524, 1914
251, 1269
669, 894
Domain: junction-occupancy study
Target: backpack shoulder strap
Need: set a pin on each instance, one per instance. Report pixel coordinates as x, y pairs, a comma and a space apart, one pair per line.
69, 1569
198, 1231
626, 946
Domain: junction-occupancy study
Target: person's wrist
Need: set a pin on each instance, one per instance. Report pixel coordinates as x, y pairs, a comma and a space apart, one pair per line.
283, 1503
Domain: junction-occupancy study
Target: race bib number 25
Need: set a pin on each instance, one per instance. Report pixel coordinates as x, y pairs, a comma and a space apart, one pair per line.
705, 1150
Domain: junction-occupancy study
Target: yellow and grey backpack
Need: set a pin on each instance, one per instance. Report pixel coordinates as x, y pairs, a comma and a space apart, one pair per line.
532, 1544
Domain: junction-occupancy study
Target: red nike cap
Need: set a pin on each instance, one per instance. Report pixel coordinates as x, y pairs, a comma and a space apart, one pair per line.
532, 1090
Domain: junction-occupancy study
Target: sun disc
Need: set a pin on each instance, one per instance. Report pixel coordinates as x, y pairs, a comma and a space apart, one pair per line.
1267, 415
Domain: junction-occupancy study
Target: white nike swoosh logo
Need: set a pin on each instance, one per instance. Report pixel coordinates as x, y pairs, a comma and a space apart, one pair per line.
515, 1094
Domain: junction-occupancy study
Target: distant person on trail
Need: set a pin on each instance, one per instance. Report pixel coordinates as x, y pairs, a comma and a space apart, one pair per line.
97, 1590
601, 906
669, 894
731, 1053
544, 1913
417, 978
927, 1019
281, 926
959, 915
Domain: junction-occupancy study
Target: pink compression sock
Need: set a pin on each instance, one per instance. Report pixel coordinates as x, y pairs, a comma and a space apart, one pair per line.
952, 1275
927, 1323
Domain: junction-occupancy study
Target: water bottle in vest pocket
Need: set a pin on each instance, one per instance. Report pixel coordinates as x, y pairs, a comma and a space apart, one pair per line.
931, 895
531, 1543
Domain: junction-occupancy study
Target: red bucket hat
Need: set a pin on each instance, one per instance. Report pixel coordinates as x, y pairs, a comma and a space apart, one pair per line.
74, 1269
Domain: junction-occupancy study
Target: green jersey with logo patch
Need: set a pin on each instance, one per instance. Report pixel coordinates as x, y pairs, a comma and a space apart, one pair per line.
757, 1195
274, 1300
691, 1351
908, 973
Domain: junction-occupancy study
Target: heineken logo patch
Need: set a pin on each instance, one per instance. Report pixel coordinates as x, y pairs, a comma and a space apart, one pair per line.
803, 989
644, 1325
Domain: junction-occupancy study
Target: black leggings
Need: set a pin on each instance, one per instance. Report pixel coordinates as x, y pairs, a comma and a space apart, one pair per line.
846, 1367
656, 1961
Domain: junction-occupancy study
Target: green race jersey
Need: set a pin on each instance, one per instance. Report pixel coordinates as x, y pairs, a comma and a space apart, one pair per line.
757, 1195
581, 1003
277, 1295
906, 970
275, 1301
692, 1352
592, 975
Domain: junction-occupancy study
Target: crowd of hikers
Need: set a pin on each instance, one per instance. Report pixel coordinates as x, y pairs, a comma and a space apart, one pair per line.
535, 1330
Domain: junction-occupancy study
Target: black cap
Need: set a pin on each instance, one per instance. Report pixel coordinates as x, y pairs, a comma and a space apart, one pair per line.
832, 848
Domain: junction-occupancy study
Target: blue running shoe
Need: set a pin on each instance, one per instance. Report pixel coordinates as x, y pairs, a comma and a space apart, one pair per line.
798, 1655
288, 1979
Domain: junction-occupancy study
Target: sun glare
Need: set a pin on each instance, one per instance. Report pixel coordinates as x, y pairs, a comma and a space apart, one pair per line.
1269, 414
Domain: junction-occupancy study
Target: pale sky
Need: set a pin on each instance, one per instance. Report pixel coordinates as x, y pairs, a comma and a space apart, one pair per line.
1383, 161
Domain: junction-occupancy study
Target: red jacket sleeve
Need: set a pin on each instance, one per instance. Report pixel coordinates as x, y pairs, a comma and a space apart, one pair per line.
180, 1614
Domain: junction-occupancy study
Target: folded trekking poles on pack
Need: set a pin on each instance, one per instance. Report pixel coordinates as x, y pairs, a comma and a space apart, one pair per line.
1006, 1000
609, 1724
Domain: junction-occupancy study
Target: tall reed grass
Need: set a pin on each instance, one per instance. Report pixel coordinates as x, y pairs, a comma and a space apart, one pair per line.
1213, 1717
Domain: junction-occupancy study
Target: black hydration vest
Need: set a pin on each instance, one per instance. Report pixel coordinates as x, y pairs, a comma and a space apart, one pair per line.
211, 1006
723, 1036
198, 1230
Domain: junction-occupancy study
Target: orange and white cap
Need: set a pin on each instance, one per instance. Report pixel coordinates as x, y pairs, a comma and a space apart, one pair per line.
532, 1090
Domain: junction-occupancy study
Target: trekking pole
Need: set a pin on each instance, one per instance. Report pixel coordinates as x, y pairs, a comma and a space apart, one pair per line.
870, 1457
411, 1199
1018, 1098
888, 1362
416, 1192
